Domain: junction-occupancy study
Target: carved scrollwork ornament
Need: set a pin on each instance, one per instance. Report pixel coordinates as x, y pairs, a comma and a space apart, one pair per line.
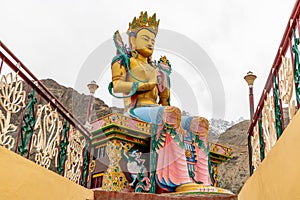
256, 148
92, 166
74, 160
269, 123
286, 82
45, 141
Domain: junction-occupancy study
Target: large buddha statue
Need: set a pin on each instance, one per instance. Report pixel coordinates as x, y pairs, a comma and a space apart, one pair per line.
145, 87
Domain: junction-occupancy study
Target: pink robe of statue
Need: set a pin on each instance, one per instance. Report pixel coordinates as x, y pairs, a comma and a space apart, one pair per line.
201, 168
171, 170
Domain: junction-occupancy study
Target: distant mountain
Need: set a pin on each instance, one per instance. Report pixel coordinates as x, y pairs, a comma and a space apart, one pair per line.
77, 103
219, 126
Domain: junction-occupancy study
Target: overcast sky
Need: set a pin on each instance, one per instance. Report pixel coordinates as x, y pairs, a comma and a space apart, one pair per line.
55, 38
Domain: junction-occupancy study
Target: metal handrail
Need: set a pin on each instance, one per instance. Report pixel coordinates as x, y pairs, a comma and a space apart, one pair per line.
283, 47
42, 89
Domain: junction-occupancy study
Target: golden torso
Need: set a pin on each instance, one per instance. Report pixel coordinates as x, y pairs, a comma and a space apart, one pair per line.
146, 72
142, 45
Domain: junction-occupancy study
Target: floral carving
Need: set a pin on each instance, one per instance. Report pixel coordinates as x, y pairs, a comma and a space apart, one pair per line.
268, 123
255, 148
74, 156
286, 82
12, 100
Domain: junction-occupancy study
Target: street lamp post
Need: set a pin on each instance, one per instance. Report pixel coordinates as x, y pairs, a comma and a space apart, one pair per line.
92, 88
250, 78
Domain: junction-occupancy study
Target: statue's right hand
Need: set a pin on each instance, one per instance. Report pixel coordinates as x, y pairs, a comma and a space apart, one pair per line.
146, 86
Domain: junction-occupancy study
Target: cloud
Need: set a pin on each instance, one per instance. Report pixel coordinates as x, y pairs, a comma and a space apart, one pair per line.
54, 38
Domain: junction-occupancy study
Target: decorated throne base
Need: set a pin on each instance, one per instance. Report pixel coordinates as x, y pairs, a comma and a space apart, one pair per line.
201, 189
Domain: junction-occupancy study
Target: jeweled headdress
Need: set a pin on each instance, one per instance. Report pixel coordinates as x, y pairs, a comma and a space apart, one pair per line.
142, 22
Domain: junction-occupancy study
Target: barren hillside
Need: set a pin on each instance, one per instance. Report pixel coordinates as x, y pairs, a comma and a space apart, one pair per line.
75, 102
234, 173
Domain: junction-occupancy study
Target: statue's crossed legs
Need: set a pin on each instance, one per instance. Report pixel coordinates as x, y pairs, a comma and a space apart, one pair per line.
169, 130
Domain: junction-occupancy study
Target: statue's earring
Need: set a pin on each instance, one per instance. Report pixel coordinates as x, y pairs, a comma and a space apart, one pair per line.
134, 53
132, 38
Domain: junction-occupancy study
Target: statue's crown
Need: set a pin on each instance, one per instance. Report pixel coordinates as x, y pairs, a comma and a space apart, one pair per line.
142, 22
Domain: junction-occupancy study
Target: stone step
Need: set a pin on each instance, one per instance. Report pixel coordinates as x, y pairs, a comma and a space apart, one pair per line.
105, 195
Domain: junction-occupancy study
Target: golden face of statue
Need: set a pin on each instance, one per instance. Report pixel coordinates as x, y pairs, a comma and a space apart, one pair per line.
143, 43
